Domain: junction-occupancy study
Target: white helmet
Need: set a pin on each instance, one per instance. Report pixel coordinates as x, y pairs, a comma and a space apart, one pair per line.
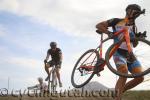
40, 79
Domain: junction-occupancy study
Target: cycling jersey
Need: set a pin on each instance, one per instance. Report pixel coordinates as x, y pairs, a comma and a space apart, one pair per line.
120, 57
55, 54
117, 25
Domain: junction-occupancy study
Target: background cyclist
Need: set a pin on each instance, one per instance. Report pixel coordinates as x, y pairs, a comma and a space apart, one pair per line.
56, 60
41, 86
124, 61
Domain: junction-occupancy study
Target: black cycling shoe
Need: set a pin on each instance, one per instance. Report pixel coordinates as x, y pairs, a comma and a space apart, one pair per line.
98, 67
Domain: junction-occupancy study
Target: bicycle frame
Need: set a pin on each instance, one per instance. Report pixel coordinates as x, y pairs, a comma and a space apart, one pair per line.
125, 38
53, 71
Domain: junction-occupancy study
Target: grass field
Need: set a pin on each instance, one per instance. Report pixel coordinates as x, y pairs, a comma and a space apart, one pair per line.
130, 95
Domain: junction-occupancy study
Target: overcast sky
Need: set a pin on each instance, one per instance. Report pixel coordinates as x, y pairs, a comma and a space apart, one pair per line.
28, 26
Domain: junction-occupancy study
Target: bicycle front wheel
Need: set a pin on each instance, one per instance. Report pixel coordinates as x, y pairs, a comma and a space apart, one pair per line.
83, 70
142, 53
54, 82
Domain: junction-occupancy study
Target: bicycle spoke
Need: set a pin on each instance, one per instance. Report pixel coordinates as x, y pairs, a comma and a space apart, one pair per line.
83, 70
88, 57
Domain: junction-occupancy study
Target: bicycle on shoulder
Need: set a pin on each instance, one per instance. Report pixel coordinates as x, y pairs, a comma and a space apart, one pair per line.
92, 62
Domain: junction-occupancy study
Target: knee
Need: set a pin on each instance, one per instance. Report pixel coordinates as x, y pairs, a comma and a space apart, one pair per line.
123, 69
46, 66
57, 71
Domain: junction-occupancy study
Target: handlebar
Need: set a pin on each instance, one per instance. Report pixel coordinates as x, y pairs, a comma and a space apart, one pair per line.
142, 35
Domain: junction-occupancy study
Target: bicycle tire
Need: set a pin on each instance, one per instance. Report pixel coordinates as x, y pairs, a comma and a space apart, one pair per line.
54, 82
91, 76
49, 83
126, 74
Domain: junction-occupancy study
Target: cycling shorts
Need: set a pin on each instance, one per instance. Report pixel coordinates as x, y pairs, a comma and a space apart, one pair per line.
54, 63
121, 60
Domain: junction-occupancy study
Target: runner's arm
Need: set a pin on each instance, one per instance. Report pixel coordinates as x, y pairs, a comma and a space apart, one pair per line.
60, 55
47, 57
103, 27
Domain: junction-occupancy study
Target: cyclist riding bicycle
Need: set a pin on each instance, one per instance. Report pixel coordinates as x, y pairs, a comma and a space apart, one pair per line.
124, 61
56, 60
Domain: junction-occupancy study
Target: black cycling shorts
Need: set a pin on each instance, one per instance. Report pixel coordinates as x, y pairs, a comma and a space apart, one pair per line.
54, 63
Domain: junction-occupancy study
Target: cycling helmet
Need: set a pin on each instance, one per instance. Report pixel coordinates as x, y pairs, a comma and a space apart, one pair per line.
133, 7
53, 44
40, 79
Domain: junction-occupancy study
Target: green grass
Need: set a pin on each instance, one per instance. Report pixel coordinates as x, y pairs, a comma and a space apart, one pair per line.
130, 95
137, 95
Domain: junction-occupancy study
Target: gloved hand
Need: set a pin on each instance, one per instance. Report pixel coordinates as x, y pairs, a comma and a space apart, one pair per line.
45, 61
131, 57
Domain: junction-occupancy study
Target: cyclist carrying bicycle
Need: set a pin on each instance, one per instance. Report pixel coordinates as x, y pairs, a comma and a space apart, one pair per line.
56, 60
124, 61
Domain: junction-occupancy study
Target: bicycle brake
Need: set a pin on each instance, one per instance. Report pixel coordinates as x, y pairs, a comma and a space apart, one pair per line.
141, 35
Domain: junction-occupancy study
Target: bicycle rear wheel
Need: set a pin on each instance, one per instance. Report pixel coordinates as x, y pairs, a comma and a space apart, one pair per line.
83, 70
142, 53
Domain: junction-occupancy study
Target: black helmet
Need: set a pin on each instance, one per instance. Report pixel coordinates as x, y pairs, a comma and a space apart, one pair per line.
53, 44
133, 7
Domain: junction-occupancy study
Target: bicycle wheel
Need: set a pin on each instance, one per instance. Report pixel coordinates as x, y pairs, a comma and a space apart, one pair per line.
83, 70
54, 82
49, 83
142, 54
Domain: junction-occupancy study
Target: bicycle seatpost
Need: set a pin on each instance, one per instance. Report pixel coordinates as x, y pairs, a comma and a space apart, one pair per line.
101, 45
